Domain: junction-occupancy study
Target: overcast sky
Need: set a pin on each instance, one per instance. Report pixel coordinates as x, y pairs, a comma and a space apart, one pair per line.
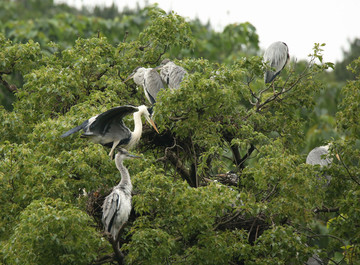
298, 23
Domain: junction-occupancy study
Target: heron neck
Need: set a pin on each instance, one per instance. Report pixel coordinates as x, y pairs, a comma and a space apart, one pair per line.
136, 134
125, 176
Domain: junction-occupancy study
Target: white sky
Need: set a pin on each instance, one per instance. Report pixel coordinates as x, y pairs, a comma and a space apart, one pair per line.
298, 23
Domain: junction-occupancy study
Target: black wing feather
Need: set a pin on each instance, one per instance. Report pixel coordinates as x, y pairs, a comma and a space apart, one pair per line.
76, 129
104, 119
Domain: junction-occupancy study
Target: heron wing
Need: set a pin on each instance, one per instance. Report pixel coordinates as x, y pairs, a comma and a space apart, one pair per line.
277, 55
152, 84
176, 76
111, 206
76, 129
103, 121
165, 74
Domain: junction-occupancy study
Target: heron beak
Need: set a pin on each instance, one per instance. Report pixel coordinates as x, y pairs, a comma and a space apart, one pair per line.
338, 157
134, 156
158, 67
129, 77
153, 125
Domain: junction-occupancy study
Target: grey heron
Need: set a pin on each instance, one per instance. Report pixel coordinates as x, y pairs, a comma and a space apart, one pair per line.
315, 156
109, 129
318, 156
149, 79
117, 205
171, 74
277, 56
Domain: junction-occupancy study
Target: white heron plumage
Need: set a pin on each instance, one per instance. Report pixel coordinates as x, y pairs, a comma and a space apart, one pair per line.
117, 205
109, 129
277, 56
318, 156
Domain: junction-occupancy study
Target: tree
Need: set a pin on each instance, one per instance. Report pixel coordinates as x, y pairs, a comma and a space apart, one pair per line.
341, 72
187, 209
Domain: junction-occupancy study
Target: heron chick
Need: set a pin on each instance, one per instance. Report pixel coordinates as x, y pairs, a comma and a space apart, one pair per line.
108, 128
117, 205
149, 79
277, 56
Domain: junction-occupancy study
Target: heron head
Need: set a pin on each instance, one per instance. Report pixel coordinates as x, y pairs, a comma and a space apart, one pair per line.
123, 154
162, 64
165, 61
144, 111
138, 71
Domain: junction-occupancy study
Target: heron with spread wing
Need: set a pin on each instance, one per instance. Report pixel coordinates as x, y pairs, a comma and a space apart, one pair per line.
109, 129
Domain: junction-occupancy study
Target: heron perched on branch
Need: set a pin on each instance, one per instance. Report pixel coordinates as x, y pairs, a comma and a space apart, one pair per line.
149, 79
171, 74
117, 205
109, 129
277, 56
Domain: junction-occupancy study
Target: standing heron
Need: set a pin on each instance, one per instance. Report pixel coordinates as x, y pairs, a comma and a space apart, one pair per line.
149, 79
171, 74
117, 205
277, 56
109, 129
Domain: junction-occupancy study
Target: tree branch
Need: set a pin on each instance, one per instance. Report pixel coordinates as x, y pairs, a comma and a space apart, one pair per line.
119, 256
103, 260
180, 167
10, 87
347, 169
326, 210
161, 54
246, 156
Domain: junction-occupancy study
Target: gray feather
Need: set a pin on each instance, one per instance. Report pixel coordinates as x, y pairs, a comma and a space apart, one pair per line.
277, 56
152, 84
76, 129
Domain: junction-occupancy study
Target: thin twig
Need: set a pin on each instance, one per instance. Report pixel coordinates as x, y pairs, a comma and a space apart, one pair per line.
347, 169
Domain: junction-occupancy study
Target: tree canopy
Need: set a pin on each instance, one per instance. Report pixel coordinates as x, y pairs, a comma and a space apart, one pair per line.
225, 181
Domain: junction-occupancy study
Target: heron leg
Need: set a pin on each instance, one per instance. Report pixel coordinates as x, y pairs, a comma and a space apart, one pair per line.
115, 143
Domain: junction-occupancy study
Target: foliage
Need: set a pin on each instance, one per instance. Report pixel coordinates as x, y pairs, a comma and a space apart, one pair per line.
341, 71
52, 232
269, 208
